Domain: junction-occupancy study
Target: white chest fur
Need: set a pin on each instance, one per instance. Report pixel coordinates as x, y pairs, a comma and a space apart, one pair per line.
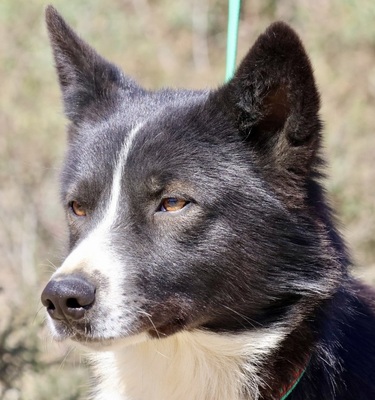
186, 366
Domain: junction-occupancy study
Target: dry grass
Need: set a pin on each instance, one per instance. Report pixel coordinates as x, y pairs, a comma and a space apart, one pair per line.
155, 42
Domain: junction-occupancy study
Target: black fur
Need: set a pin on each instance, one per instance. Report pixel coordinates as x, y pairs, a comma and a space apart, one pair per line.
257, 244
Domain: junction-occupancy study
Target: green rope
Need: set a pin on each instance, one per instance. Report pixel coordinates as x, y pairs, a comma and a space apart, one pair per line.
294, 386
232, 37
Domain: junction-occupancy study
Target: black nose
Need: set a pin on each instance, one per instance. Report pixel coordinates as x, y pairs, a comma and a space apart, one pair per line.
68, 297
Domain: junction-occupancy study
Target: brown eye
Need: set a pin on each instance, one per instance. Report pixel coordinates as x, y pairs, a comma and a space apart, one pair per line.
173, 204
78, 209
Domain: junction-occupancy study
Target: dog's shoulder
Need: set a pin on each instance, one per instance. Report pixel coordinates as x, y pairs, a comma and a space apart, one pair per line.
347, 345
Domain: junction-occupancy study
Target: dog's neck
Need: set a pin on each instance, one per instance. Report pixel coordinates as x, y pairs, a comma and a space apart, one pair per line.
187, 366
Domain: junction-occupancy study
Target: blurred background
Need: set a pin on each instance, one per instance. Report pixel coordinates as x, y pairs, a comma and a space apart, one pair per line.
161, 43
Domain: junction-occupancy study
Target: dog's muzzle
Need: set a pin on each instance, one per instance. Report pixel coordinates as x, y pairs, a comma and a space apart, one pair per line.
68, 298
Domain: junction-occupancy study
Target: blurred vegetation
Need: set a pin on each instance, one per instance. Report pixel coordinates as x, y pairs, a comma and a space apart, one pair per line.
179, 43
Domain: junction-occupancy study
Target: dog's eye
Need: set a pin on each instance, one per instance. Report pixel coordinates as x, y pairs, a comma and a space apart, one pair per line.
171, 204
78, 209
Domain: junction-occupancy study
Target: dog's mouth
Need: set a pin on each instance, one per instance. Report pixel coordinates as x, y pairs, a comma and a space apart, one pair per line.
92, 335
94, 331
65, 329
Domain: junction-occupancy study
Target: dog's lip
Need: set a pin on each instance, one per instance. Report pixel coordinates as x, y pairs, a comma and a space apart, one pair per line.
64, 329
159, 331
90, 339
81, 334
84, 334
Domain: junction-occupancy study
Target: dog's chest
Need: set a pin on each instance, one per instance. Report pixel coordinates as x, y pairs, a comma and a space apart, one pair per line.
187, 366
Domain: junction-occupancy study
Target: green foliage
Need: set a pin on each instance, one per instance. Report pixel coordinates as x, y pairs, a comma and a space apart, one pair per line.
177, 43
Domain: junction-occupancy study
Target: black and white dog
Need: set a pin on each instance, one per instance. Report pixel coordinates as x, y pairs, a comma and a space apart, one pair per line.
204, 262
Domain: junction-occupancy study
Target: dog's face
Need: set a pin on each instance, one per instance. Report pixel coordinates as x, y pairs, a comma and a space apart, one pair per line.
186, 209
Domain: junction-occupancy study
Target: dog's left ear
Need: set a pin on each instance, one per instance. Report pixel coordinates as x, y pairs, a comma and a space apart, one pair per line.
274, 103
85, 77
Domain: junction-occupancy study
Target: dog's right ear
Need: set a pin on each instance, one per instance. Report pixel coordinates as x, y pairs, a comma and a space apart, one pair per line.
85, 77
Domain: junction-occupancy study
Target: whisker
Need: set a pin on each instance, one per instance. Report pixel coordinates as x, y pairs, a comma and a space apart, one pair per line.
36, 314
52, 265
243, 317
63, 361
151, 321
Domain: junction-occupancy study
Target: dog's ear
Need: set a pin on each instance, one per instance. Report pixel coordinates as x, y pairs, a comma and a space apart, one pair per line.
274, 103
85, 77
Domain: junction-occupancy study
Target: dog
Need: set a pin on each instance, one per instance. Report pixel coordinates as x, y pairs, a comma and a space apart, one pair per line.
205, 262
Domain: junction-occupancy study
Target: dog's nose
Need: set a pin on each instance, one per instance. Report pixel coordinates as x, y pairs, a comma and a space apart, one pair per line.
68, 297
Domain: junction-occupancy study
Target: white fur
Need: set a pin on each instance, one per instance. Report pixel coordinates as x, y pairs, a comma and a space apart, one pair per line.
193, 365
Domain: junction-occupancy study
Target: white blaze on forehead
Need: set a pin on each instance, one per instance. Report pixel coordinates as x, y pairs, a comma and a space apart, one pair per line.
111, 212
94, 250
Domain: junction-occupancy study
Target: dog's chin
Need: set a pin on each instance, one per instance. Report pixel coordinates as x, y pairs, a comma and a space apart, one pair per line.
109, 344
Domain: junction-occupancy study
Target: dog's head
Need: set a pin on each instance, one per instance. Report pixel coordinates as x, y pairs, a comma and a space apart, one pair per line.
188, 209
